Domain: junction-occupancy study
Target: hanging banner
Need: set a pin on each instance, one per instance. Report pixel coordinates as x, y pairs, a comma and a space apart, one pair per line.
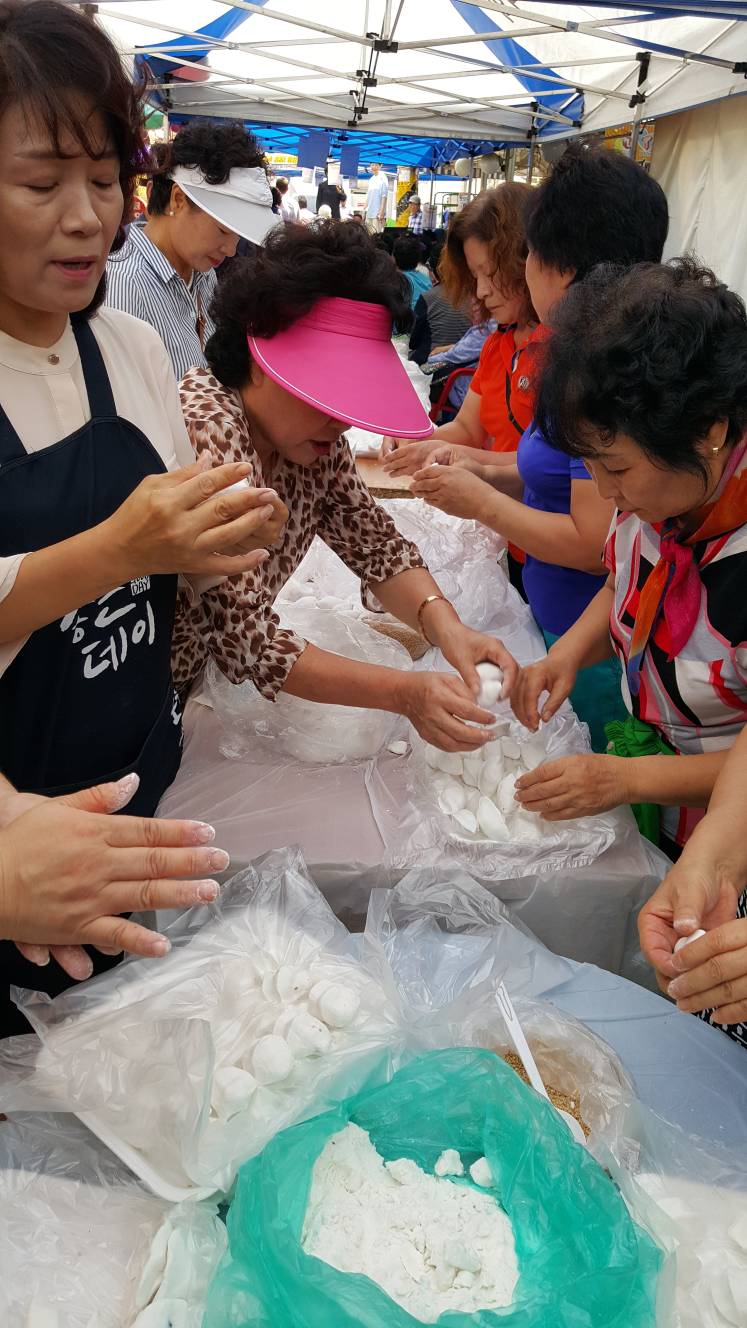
407, 185
313, 150
350, 156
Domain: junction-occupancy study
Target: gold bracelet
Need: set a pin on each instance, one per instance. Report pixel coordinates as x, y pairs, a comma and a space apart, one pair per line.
429, 599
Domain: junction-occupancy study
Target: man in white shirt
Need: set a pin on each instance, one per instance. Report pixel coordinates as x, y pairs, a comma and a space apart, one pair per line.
305, 215
288, 204
377, 194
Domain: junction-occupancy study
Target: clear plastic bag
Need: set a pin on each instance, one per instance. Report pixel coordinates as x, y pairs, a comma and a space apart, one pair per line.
308, 730
420, 831
160, 1059
76, 1227
582, 1260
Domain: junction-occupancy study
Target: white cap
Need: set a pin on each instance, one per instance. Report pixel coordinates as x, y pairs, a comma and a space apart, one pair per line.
242, 203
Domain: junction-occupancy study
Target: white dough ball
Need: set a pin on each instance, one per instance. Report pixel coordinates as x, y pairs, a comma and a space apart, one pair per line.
449, 1163
490, 777
453, 799
467, 820
471, 767
272, 1060
488, 672
511, 748
505, 799
533, 753
335, 1004
232, 1091
308, 1036
481, 1173
490, 821
450, 763
432, 756
527, 825
292, 983
473, 801
685, 940
398, 748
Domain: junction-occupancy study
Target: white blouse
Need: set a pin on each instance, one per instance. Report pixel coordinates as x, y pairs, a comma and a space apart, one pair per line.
44, 396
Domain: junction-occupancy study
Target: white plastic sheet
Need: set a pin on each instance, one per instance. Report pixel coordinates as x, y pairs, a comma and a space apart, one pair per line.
137, 1052
76, 1227
307, 730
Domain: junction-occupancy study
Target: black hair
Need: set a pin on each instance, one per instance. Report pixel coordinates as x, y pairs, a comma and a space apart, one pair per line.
213, 149
56, 64
277, 198
407, 252
281, 281
656, 352
597, 206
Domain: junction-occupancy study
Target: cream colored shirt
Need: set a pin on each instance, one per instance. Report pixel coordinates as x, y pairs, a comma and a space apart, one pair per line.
44, 396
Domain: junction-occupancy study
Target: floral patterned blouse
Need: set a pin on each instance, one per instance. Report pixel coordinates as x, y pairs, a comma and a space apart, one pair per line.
234, 622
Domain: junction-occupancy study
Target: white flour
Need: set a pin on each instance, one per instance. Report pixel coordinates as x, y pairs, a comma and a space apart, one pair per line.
431, 1244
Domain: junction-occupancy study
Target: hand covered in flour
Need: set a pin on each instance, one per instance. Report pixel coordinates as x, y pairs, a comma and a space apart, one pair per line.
554, 674
400, 456
442, 709
452, 489
710, 972
573, 786
198, 520
465, 649
68, 867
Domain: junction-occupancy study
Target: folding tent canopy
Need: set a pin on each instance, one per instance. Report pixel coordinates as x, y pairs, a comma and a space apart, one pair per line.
456, 73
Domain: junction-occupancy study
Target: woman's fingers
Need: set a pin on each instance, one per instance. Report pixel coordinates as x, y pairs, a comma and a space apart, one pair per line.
161, 864
122, 934
36, 954
157, 832
530, 685
712, 969
73, 960
560, 690
241, 534
195, 485
143, 896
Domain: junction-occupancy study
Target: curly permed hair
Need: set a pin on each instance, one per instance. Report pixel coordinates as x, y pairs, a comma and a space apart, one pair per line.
298, 265
656, 352
497, 218
213, 149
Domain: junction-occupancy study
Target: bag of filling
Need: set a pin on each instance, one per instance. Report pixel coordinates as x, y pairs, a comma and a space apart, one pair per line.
581, 1258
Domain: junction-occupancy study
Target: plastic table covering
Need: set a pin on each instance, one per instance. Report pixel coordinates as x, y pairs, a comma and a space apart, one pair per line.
587, 912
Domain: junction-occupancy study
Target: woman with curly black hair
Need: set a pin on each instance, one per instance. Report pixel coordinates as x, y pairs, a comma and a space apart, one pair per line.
646, 382
302, 348
208, 189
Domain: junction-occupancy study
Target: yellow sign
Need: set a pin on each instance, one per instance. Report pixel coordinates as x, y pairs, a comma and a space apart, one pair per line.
407, 185
618, 140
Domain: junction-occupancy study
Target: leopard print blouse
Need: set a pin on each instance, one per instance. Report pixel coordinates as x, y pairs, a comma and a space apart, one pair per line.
234, 622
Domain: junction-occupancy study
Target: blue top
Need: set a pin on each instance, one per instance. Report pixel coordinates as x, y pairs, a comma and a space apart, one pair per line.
419, 284
557, 595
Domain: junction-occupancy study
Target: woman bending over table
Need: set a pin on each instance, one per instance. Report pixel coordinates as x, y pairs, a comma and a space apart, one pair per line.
302, 349
595, 207
646, 382
707, 977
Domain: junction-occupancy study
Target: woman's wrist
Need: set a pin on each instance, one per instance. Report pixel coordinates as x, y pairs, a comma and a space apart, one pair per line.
438, 618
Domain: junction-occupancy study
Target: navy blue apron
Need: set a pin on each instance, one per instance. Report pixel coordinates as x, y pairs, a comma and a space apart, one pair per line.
89, 697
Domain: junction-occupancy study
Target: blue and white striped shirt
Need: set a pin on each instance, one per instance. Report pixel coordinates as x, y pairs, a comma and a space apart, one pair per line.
141, 281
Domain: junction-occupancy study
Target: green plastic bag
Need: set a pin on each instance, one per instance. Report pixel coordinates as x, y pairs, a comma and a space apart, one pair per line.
583, 1262
635, 738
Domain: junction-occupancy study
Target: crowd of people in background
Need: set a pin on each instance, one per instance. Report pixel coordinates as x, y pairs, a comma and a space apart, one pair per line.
175, 395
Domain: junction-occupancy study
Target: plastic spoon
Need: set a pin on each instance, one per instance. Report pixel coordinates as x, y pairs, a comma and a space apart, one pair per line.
521, 1046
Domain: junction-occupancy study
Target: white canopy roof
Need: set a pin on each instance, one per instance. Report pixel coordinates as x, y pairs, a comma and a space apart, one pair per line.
443, 69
